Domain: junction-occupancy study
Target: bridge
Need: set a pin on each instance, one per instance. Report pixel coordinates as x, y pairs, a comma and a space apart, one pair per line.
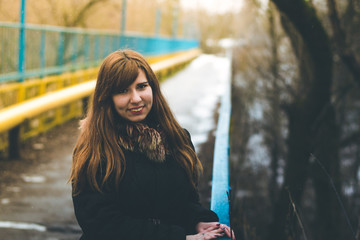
44, 89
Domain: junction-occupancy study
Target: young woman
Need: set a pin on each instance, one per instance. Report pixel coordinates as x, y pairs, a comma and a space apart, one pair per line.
135, 171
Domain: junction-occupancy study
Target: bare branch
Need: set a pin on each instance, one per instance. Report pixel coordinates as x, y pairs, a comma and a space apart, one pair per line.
297, 215
79, 19
343, 50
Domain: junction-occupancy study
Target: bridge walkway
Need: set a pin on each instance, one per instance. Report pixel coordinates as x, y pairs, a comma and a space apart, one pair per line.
35, 200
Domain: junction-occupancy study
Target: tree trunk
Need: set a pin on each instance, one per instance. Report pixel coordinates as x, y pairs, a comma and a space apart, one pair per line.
274, 120
312, 126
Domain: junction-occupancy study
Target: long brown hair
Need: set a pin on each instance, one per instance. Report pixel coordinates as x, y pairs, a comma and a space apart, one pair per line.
97, 157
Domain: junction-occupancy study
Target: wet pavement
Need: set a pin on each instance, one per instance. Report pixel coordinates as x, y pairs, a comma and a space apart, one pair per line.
35, 198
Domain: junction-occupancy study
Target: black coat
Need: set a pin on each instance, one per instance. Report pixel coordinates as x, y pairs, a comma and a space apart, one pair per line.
155, 201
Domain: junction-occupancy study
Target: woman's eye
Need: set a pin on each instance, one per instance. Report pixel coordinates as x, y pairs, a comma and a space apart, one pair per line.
143, 85
122, 91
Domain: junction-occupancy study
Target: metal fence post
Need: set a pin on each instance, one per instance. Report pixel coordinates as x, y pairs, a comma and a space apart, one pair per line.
86, 49
61, 49
107, 46
74, 56
97, 48
22, 45
14, 143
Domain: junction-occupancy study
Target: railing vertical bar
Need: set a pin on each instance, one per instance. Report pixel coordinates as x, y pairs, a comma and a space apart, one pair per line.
86, 49
22, 44
97, 47
61, 53
74, 48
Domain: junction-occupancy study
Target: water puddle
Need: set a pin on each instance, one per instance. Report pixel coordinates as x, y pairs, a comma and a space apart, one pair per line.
23, 226
33, 179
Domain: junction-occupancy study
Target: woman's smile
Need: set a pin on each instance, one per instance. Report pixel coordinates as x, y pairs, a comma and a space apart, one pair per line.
137, 110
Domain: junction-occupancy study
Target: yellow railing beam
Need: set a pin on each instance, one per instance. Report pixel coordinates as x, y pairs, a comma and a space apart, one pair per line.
178, 60
13, 116
18, 113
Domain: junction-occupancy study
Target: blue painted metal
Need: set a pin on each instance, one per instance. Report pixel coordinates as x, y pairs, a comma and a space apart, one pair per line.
75, 50
220, 181
34, 73
123, 17
107, 46
97, 47
119, 41
86, 48
92, 47
22, 45
60, 60
114, 42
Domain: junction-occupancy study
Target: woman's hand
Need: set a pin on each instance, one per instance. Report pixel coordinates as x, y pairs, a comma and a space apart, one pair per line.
203, 227
208, 234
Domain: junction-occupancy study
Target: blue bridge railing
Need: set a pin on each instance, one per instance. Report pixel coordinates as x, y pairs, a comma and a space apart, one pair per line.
220, 191
53, 50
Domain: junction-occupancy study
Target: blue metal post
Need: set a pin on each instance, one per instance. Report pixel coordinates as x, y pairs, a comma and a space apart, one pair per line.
61, 49
22, 46
97, 48
119, 42
75, 48
86, 49
106, 48
123, 17
113, 43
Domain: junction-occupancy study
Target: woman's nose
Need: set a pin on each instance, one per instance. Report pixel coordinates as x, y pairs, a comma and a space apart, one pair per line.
135, 97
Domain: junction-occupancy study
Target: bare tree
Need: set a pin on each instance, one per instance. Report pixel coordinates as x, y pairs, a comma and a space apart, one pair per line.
273, 126
312, 124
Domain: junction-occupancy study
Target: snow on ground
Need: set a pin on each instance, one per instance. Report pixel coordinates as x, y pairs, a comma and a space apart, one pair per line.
193, 94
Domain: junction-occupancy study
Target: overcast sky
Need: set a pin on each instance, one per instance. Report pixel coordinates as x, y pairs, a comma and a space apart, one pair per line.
215, 6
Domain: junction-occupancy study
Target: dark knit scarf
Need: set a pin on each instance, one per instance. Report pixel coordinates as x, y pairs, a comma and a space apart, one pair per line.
140, 137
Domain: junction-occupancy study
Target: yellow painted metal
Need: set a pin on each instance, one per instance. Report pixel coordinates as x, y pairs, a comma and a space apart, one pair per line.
13, 93
175, 61
155, 59
9, 94
41, 104
18, 113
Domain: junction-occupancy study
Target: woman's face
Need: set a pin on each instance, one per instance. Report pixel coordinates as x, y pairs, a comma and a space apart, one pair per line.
134, 103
